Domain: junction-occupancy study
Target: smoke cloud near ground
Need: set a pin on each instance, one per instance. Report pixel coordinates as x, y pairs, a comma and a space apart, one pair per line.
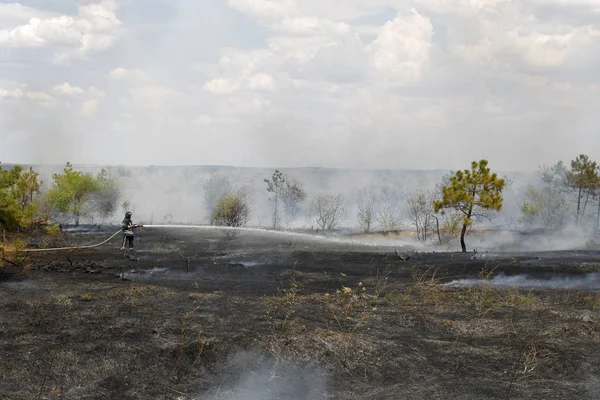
588, 281
252, 375
176, 195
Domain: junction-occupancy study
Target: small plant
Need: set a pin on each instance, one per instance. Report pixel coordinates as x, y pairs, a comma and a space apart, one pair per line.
11, 252
345, 301
287, 307
484, 299
86, 297
53, 230
182, 334
381, 283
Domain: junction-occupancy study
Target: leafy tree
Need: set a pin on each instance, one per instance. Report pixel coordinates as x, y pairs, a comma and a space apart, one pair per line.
292, 196
584, 181
17, 188
329, 211
71, 192
471, 193
276, 186
27, 185
105, 198
544, 203
231, 210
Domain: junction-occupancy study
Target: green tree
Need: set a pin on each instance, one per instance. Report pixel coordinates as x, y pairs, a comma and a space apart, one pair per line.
17, 187
584, 181
27, 185
104, 199
292, 197
71, 192
231, 210
544, 202
471, 193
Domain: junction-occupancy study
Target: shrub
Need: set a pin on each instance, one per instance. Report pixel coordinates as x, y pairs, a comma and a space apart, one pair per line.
231, 210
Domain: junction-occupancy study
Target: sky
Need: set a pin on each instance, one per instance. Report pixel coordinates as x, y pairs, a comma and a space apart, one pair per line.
429, 84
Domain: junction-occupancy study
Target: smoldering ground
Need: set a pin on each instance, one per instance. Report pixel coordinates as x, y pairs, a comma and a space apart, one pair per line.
587, 281
254, 375
282, 329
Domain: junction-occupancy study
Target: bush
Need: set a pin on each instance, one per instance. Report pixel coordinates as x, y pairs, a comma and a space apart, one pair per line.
231, 210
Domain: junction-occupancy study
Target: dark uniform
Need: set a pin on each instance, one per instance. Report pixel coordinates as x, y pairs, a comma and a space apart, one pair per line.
127, 227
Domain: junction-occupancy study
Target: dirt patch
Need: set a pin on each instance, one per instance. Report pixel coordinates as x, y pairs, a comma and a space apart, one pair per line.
288, 321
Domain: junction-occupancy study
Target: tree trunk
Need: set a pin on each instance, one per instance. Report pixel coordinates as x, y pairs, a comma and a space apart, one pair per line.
437, 224
464, 231
578, 207
598, 214
275, 212
587, 197
462, 238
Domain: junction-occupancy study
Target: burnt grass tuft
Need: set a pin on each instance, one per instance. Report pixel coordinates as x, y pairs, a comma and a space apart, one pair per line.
318, 323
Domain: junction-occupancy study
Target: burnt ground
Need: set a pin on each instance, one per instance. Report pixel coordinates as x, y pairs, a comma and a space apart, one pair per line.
203, 316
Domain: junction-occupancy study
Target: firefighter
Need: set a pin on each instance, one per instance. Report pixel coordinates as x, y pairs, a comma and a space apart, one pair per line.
127, 226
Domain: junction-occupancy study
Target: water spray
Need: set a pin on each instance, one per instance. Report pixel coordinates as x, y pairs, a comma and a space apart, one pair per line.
267, 232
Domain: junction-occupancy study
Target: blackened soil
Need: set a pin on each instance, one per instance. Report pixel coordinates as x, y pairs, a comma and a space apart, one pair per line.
195, 314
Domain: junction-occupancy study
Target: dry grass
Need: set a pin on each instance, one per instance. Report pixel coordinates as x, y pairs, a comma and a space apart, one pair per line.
136, 293
202, 296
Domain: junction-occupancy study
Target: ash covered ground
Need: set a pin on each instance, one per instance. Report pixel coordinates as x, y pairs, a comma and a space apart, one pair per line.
255, 315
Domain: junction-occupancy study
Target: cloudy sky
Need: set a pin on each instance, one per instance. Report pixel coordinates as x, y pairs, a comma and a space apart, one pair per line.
332, 83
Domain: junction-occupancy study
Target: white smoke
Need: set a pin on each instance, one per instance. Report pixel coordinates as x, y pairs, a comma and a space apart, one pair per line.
253, 375
588, 281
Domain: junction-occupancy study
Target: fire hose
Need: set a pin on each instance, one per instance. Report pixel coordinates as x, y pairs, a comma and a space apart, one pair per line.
71, 248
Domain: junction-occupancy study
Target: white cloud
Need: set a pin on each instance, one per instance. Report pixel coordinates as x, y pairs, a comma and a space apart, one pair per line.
402, 47
90, 108
311, 26
265, 8
121, 73
94, 28
94, 92
293, 79
66, 89
21, 94
221, 86
261, 82
13, 94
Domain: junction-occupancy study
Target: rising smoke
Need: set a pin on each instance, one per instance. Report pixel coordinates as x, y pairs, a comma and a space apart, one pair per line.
588, 281
253, 375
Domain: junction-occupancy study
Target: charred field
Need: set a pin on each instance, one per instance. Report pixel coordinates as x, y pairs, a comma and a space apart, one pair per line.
198, 314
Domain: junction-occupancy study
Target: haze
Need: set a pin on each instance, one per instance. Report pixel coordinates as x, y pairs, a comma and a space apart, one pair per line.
295, 83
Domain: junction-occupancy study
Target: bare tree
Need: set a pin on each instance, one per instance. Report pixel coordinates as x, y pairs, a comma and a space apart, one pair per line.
367, 209
419, 209
329, 211
275, 186
215, 187
388, 216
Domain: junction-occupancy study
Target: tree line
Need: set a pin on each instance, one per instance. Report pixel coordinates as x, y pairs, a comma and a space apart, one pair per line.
443, 213
72, 196
451, 208
562, 195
